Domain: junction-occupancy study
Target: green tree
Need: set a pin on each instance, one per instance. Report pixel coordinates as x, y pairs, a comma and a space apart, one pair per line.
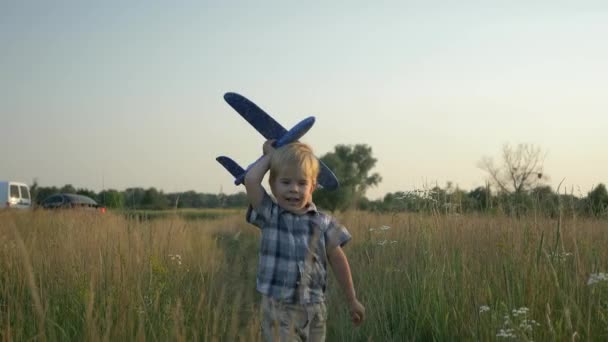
597, 200
88, 193
68, 189
112, 199
211, 200
188, 199
43, 192
480, 198
34, 191
399, 201
545, 200
238, 200
154, 199
134, 197
352, 165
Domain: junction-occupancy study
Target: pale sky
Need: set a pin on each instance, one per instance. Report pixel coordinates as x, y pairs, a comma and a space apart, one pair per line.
123, 94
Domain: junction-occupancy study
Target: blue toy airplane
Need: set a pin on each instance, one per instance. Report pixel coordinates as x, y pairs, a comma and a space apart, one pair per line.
271, 129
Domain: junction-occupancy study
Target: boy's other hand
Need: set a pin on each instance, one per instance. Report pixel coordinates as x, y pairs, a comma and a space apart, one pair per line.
357, 312
268, 146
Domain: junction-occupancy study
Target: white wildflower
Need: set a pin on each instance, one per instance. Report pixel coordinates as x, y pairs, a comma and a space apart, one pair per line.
177, 258
525, 326
484, 308
561, 256
521, 311
506, 333
597, 277
528, 324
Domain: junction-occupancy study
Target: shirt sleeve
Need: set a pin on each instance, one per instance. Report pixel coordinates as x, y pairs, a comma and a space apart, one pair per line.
260, 217
336, 235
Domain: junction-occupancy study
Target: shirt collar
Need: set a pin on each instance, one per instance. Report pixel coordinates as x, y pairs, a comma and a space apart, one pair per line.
312, 209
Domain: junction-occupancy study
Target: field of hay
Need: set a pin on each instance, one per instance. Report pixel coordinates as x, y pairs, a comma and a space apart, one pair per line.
81, 276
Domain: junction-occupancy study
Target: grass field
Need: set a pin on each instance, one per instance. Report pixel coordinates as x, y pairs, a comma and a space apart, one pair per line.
76, 276
186, 214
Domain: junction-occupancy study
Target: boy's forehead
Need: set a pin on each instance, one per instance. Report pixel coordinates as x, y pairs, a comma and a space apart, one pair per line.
294, 172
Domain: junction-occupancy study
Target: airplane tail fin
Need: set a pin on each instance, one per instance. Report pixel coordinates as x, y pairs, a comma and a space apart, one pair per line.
327, 179
235, 169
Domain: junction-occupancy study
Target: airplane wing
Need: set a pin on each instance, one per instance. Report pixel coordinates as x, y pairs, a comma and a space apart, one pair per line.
258, 118
235, 170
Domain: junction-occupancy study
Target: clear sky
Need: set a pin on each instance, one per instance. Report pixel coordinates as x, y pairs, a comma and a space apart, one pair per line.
128, 93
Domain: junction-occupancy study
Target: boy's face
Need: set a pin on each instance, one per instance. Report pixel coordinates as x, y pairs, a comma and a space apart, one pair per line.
293, 189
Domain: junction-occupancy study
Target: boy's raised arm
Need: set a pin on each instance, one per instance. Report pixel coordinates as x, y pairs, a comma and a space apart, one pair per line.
255, 175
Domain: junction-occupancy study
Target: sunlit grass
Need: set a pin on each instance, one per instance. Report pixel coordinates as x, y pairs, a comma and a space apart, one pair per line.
102, 277
82, 276
187, 214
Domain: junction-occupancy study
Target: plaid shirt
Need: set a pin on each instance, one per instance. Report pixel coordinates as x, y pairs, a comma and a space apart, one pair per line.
293, 251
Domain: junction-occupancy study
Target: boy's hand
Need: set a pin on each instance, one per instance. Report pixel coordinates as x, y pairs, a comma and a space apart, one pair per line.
268, 148
357, 312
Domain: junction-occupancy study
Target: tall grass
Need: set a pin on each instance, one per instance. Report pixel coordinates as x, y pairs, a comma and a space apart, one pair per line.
435, 277
77, 276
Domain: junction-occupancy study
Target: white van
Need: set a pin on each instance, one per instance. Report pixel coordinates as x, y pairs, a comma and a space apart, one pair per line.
15, 195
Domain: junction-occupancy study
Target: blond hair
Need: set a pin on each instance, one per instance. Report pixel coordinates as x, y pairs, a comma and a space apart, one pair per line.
294, 155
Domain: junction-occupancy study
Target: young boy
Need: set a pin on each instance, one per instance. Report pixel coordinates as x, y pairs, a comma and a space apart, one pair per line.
297, 243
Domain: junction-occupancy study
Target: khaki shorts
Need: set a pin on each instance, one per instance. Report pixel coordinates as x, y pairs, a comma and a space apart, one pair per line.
292, 322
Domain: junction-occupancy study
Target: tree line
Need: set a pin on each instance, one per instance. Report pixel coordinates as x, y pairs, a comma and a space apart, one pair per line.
150, 198
449, 200
515, 186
